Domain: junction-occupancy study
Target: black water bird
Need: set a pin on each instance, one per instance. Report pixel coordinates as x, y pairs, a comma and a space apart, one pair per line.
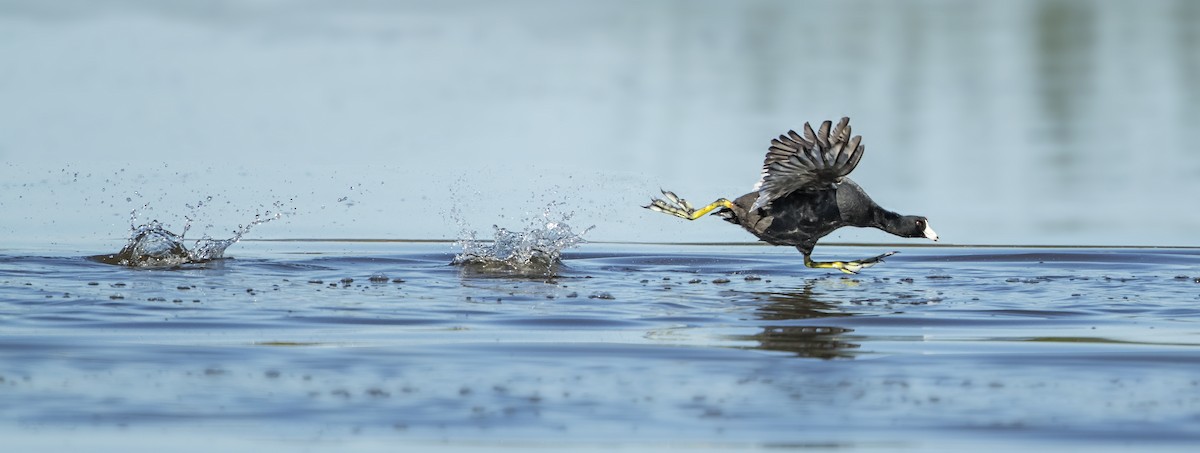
804, 194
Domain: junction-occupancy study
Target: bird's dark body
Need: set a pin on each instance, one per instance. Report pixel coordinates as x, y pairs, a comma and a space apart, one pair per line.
802, 217
804, 195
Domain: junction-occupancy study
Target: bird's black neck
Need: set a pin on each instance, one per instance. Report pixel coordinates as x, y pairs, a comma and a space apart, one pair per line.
888, 221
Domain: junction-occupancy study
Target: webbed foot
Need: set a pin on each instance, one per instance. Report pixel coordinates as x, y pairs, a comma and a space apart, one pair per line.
849, 267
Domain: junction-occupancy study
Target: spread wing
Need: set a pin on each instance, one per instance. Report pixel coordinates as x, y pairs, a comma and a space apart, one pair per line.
818, 160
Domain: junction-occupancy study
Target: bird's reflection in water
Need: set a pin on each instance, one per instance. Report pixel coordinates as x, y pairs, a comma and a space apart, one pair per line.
807, 340
798, 304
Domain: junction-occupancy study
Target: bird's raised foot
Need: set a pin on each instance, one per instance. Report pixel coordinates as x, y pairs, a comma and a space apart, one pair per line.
673, 205
679, 207
849, 267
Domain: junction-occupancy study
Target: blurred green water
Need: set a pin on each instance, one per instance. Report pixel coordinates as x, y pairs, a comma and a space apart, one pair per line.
1024, 122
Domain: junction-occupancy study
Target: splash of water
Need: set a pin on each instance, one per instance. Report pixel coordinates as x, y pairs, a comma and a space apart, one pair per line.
152, 245
537, 248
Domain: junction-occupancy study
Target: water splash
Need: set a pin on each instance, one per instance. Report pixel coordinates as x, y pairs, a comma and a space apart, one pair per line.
536, 249
152, 245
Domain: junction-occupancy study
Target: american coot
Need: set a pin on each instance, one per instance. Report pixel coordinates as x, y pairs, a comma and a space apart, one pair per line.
804, 195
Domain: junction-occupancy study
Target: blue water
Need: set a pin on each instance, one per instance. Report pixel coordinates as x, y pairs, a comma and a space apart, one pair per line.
636, 345
1068, 122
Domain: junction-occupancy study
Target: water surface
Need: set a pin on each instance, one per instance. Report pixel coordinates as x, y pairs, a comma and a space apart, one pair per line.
377, 344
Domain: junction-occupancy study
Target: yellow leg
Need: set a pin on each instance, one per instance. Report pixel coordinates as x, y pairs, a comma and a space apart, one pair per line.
849, 267
679, 207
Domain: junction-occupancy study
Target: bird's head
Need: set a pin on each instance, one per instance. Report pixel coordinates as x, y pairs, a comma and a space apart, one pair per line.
913, 226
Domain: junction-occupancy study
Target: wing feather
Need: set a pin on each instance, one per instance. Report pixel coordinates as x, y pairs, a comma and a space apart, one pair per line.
840, 132
776, 143
815, 161
853, 162
809, 134
836, 157
823, 134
